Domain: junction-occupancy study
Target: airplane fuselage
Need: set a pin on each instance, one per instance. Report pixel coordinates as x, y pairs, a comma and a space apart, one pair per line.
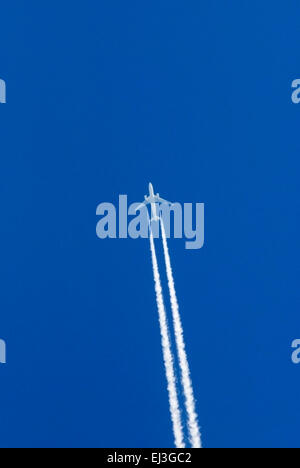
153, 201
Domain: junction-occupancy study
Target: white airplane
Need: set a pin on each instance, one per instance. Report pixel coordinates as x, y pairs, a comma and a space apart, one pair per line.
152, 200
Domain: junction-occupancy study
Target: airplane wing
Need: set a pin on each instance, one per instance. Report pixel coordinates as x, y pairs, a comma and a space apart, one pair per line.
161, 200
142, 205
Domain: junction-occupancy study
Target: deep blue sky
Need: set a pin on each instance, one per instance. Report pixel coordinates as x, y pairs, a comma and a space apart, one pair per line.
102, 98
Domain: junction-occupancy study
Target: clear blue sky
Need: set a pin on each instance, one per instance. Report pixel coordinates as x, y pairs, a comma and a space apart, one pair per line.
102, 98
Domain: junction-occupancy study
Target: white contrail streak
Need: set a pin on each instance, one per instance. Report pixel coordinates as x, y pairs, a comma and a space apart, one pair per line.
167, 352
193, 426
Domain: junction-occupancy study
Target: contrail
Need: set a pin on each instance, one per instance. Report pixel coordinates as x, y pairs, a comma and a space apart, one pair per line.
193, 426
167, 352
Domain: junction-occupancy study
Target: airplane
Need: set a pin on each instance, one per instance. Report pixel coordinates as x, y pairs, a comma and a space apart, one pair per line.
152, 200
